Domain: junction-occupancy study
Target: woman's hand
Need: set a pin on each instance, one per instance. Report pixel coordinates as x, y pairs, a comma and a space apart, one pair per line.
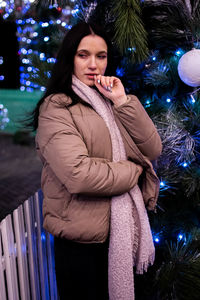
111, 88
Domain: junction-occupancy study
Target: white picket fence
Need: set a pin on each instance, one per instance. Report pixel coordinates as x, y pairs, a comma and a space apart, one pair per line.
26, 255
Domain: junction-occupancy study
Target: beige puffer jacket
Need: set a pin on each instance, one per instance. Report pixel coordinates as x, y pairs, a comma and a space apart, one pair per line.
79, 177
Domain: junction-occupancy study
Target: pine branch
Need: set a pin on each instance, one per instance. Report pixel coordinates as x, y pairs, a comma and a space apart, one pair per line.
157, 76
178, 143
129, 30
168, 23
178, 276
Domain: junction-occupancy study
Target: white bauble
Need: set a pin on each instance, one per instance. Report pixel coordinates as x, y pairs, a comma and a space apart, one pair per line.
189, 68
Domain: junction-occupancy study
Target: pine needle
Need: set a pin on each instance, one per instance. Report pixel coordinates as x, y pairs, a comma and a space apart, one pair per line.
169, 23
130, 35
178, 276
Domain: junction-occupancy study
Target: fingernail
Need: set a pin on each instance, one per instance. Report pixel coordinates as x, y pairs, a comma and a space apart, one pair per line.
108, 88
98, 81
111, 85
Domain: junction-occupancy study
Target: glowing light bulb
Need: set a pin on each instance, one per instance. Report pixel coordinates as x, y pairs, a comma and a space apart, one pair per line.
180, 237
120, 72
45, 24
185, 164
156, 239
3, 4
192, 99
46, 38
179, 52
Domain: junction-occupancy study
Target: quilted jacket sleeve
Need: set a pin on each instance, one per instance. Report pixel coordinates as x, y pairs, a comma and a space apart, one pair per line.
62, 147
140, 127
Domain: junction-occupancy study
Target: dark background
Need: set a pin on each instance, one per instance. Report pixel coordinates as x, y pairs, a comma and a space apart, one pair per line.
9, 48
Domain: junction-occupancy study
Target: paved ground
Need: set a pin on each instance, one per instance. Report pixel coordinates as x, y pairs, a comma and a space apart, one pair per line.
20, 171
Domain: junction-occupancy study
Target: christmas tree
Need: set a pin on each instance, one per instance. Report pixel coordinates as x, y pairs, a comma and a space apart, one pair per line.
157, 51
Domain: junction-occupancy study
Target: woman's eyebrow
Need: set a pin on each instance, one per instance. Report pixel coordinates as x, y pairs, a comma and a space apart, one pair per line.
88, 52
83, 50
102, 52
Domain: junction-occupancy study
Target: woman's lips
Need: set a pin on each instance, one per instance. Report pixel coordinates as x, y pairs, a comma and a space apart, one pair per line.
90, 76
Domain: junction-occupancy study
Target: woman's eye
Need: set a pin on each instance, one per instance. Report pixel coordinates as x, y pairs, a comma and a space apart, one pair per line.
102, 56
82, 55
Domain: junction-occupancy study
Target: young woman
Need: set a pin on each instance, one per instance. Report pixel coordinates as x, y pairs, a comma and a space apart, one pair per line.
95, 143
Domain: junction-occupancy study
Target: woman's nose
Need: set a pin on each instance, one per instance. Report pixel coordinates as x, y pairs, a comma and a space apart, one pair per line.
92, 63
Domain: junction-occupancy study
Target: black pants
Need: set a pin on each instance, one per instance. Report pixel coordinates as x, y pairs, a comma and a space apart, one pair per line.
81, 270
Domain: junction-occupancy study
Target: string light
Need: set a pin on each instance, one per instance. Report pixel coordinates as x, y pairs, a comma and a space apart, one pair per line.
192, 99
45, 24
46, 38
75, 12
147, 103
4, 120
162, 184
131, 49
180, 237
179, 52
42, 56
63, 24
120, 72
184, 164
3, 4
51, 60
26, 36
156, 239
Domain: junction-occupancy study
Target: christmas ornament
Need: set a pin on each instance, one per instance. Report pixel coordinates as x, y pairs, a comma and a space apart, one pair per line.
189, 68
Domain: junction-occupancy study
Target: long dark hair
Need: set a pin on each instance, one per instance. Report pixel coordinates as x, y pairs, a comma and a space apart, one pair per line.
61, 76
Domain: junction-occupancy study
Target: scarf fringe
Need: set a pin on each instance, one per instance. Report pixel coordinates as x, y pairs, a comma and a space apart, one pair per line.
143, 266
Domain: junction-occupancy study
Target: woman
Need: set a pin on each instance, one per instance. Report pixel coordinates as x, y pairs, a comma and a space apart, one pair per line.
95, 143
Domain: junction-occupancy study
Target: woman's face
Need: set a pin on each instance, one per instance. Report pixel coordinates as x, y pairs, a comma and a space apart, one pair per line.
90, 59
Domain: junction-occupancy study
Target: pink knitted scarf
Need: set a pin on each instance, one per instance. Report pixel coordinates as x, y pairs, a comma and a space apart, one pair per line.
131, 241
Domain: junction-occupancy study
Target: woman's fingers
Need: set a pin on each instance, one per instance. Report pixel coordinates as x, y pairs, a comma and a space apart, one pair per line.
105, 81
112, 88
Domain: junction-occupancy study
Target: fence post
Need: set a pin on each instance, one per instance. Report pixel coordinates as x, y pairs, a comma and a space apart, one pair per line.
26, 255
10, 258
51, 267
2, 270
32, 248
42, 255
20, 234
